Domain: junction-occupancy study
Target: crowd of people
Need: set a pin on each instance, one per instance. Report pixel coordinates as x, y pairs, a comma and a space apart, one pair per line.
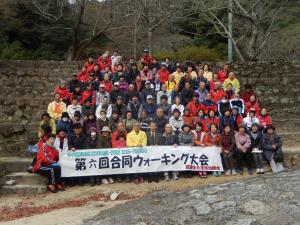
110, 103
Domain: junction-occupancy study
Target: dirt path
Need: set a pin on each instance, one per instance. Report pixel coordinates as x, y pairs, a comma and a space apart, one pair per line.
79, 203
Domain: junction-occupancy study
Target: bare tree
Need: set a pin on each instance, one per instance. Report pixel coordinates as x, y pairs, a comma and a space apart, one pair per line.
93, 18
254, 22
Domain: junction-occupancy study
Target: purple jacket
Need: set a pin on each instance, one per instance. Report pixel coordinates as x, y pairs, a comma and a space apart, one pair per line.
242, 140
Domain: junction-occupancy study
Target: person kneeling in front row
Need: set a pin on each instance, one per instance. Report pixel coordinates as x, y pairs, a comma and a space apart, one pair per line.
47, 164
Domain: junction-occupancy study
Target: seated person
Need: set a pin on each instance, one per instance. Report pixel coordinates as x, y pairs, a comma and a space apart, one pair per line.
47, 164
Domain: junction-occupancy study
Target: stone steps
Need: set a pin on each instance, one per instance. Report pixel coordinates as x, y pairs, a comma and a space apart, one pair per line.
24, 178
23, 189
13, 164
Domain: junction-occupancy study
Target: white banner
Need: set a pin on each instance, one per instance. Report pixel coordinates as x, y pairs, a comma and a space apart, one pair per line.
93, 162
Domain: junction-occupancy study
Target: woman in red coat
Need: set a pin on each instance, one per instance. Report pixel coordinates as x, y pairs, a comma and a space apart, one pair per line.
264, 118
47, 164
211, 118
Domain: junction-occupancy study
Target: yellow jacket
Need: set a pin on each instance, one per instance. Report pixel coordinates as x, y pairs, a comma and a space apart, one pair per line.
178, 76
51, 124
134, 139
208, 75
170, 85
55, 109
235, 83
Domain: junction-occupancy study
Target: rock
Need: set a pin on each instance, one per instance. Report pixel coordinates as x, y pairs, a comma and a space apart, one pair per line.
212, 199
114, 196
243, 222
254, 207
224, 205
202, 209
10, 182
214, 190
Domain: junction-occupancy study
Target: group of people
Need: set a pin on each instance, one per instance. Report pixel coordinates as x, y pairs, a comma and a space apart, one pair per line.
110, 103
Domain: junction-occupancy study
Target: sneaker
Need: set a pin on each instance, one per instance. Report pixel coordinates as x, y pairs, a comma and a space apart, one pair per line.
93, 181
175, 177
141, 180
104, 181
240, 172
98, 181
167, 177
262, 171
228, 173
136, 181
80, 182
127, 179
233, 172
110, 180
257, 171
215, 173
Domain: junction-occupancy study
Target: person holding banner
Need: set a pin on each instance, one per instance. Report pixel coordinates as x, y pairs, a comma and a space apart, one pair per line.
137, 138
170, 138
213, 138
47, 164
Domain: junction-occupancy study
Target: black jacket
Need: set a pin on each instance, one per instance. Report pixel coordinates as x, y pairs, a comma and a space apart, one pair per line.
156, 139
77, 142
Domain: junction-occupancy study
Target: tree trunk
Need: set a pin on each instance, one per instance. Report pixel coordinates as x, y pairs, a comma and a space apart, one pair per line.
150, 44
135, 29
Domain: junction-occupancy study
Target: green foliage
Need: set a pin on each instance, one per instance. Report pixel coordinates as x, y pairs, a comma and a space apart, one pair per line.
196, 54
13, 51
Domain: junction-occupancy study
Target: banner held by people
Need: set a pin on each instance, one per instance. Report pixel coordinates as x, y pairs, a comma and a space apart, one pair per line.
148, 159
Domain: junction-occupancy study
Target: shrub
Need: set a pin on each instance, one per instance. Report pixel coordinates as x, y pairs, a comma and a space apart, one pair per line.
13, 51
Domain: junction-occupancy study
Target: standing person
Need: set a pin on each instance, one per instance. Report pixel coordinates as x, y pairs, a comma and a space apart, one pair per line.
149, 107
161, 120
213, 138
77, 141
177, 105
134, 106
75, 106
170, 138
92, 142
223, 74
264, 118
250, 119
228, 148
199, 141
128, 121
256, 137
226, 119
243, 153
186, 138
232, 80
176, 121
105, 142
154, 138
56, 108
46, 119
47, 164
271, 145
119, 131
104, 106
101, 94
137, 138
238, 103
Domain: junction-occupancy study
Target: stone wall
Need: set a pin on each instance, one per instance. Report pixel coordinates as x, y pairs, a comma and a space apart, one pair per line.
26, 88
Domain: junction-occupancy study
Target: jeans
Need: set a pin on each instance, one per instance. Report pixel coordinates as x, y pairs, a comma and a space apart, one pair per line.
258, 160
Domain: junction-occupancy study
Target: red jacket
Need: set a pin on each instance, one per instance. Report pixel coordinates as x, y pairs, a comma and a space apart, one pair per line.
163, 76
264, 120
89, 67
148, 59
212, 84
223, 75
114, 137
194, 108
46, 156
64, 93
252, 106
246, 96
188, 120
202, 120
209, 121
87, 94
102, 64
207, 106
108, 85
83, 77
217, 95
